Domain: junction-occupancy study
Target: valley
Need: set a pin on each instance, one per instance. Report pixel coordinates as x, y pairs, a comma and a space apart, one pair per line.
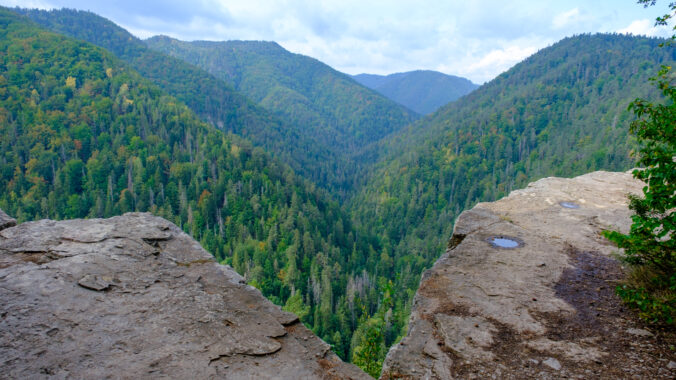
330, 193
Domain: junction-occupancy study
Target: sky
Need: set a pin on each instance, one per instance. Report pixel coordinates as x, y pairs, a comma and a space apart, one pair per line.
476, 39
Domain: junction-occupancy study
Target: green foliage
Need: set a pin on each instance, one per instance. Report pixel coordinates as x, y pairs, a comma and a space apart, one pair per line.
422, 91
370, 341
328, 107
110, 142
558, 113
651, 240
214, 100
307, 92
651, 307
650, 246
368, 355
295, 305
84, 135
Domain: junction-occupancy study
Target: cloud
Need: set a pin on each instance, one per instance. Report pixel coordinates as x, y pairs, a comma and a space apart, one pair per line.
645, 27
39, 4
478, 39
499, 60
566, 18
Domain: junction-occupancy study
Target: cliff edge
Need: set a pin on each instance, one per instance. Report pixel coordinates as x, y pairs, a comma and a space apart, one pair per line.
135, 297
526, 290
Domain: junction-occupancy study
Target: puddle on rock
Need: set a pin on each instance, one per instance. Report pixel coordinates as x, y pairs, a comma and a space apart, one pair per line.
569, 205
505, 242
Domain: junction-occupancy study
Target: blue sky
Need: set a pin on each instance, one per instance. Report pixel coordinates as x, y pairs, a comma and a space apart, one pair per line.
477, 39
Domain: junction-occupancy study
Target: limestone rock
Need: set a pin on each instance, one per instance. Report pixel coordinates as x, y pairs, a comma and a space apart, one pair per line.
640, 332
6, 221
135, 297
529, 279
552, 363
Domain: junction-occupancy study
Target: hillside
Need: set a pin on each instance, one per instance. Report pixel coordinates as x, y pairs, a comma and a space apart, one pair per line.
83, 135
142, 126
562, 111
212, 99
323, 102
422, 91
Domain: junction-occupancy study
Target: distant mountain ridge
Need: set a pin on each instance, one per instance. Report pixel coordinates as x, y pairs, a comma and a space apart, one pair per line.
211, 98
422, 91
341, 114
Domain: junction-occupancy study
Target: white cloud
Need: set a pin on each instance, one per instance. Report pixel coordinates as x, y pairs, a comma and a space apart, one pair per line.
645, 27
40, 4
478, 39
499, 60
566, 18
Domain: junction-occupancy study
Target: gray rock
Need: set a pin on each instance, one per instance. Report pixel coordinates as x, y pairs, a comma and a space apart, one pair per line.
91, 282
485, 304
639, 332
6, 221
552, 363
671, 365
135, 297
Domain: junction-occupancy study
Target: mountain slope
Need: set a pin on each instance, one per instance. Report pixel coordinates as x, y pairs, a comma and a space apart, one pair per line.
323, 102
562, 111
211, 98
83, 135
423, 91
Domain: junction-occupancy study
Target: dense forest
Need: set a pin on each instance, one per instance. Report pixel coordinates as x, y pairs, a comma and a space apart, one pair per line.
212, 99
304, 90
423, 91
247, 147
83, 135
342, 115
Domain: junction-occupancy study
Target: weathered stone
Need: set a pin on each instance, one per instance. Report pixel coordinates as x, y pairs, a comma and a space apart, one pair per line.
467, 337
547, 296
135, 297
639, 332
552, 363
94, 282
6, 221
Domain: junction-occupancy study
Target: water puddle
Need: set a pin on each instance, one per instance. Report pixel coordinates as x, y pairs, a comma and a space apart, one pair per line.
505, 242
569, 205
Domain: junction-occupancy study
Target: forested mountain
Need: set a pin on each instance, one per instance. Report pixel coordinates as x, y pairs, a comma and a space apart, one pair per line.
84, 135
325, 103
562, 111
214, 100
423, 91
87, 132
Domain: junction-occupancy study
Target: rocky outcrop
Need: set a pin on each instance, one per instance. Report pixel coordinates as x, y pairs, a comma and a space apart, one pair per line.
6, 221
526, 290
135, 297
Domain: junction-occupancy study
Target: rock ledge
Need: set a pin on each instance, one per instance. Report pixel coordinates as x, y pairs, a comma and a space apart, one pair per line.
526, 290
135, 297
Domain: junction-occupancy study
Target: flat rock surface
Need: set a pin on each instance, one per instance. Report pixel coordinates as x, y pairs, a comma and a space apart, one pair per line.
526, 290
135, 297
